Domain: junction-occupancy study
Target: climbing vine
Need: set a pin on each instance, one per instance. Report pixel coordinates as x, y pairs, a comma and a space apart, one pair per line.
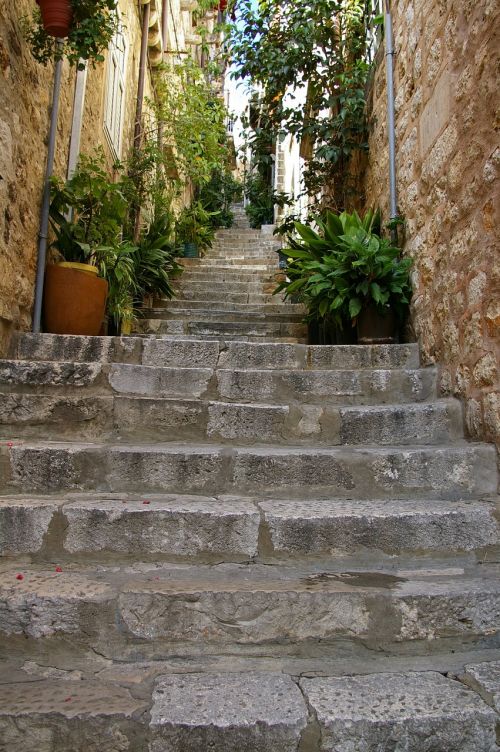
308, 59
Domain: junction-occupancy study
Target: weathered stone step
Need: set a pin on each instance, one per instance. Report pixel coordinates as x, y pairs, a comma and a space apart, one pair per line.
168, 419
114, 611
190, 293
186, 352
222, 327
255, 711
222, 263
238, 308
221, 288
207, 315
450, 472
410, 712
317, 387
235, 528
50, 715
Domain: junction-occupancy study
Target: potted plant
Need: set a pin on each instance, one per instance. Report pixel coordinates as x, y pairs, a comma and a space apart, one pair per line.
86, 214
87, 27
194, 230
348, 275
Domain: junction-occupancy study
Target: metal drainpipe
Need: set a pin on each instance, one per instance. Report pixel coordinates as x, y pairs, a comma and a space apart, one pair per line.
44, 218
389, 57
142, 75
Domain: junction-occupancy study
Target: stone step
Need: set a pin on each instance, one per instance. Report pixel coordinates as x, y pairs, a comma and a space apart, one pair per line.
53, 381
191, 712
50, 715
187, 403
191, 293
272, 330
239, 308
256, 710
216, 291
219, 289
318, 387
188, 312
214, 529
408, 711
237, 264
167, 419
150, 609
363, 472
227, 275
185, 352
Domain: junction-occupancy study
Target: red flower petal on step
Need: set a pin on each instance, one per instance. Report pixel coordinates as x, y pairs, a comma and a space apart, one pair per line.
19, 576
68, 699
10, 443
58, 569
146, 502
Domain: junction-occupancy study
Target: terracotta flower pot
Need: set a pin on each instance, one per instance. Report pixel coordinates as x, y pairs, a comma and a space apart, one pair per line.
74, 301
56, 16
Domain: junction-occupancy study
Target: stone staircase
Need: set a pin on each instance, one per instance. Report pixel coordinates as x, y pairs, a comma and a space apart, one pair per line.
242, 544
229, 292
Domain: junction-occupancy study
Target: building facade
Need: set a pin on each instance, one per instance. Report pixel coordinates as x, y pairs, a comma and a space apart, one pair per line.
98, 108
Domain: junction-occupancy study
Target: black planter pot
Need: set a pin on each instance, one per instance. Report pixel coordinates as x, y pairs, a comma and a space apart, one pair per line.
326, 333
376, 327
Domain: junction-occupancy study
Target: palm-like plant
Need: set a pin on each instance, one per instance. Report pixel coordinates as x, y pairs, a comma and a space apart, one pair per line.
345, 266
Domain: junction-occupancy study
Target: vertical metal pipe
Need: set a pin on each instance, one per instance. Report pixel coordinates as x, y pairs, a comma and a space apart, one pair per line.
44, 218
389, 56
142, 75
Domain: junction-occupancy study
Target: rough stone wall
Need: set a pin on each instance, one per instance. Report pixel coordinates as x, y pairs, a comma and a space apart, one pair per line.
448, 117
25, 96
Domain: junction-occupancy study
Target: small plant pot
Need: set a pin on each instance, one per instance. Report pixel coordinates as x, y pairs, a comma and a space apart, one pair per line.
191, 250
375, 327
74, 301
56, 17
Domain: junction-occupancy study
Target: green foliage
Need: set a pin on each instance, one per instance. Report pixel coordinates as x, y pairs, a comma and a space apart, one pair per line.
319, 47
193, 120
218, 194
94, 25
261, 200
90, 219
155, 258
87, 212
345, 265
194, 226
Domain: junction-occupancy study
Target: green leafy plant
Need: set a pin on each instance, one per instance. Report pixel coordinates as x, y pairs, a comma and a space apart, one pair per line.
262, 199
155, 258
194, 226
345, 266
218, 194
94, 24
193, 121
318, 48
87, 212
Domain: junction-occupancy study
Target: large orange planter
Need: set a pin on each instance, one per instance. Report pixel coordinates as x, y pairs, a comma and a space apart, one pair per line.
74, 302
56, 16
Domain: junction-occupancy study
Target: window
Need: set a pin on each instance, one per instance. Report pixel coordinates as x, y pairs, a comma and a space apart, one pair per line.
115, 91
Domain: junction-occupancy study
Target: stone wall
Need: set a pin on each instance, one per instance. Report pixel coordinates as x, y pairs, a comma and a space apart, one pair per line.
448, 155
25, 96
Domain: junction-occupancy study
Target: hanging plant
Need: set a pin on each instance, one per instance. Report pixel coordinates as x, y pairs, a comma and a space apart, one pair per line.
85, 28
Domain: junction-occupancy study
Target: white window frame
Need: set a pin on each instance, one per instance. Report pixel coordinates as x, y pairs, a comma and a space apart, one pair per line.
114, 99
